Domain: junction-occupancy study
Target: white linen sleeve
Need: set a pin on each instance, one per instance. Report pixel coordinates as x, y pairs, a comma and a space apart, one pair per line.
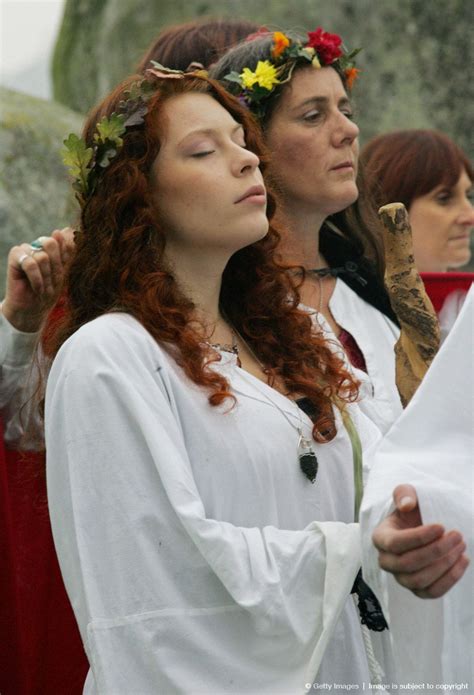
431, 447
16, 384
132, 534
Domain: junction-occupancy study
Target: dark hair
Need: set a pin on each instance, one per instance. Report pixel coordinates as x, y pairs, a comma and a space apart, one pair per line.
201, 41
358, 224
406, 164
120, 265
247, 54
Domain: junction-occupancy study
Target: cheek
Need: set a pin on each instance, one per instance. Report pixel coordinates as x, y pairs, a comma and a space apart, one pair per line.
355, 150
294, 163
430, 228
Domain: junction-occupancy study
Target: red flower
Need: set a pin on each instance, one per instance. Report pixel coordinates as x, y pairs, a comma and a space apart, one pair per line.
327, 46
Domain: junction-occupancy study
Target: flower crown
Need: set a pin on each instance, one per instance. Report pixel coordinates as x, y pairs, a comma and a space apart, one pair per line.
253, 87
86, 164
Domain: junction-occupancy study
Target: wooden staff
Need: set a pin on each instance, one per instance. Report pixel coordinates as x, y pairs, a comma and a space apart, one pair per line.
419, 335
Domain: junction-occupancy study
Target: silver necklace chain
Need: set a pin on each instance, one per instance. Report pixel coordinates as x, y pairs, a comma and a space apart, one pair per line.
306, 455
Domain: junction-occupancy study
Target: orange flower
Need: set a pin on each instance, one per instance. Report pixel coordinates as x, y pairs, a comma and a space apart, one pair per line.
280, 42
351, 76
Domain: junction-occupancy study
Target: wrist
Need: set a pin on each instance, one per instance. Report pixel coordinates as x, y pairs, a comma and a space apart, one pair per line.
23, 321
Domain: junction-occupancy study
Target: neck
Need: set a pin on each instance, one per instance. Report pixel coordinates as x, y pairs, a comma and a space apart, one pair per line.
300, 237
199, 274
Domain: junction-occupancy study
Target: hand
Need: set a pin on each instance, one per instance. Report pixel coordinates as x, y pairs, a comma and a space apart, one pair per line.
422, 558
35, 279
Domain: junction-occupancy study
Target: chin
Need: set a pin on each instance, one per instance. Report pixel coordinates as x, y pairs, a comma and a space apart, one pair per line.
253, 233
343, 200
460, 260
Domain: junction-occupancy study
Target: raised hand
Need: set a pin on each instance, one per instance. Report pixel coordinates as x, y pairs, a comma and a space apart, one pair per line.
422, 557
35, 275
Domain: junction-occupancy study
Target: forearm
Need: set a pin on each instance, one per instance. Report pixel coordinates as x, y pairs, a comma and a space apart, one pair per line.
18, 380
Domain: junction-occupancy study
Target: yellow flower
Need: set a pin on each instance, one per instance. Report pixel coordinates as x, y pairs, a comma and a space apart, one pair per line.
248, 78
266, 74
315, 62
280, 42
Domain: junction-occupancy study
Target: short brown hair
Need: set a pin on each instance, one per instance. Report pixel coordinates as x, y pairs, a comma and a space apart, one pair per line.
406, 164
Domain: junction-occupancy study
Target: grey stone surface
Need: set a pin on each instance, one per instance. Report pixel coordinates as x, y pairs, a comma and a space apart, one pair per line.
415, 58
35, 194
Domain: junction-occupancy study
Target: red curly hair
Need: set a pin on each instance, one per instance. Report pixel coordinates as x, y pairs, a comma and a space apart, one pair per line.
119, 264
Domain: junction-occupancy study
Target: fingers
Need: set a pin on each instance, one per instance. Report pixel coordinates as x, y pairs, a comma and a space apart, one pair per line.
438, 577
44, 264
416, 560
21, 262
65, 239
446, 581
389, 537
50, 265
405, 498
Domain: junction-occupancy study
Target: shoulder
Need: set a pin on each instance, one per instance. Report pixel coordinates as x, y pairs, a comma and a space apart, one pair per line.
115, 338
351, 301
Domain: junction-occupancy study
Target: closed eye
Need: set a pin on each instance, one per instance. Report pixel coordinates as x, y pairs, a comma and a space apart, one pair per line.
202, 154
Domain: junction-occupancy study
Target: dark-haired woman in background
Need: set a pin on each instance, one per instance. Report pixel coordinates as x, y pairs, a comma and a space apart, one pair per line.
299, 91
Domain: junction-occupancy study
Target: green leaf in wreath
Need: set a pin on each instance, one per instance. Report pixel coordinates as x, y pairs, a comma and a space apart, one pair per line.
110, 129
75, 155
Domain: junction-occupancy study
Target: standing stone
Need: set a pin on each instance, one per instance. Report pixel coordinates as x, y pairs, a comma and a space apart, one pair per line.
35, 194
414, 59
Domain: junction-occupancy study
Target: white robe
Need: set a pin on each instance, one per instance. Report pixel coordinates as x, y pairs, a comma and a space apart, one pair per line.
376, 335
197, 556
432, 447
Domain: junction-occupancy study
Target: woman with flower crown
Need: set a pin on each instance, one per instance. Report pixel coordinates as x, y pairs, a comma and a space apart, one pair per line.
204, 448
298, 90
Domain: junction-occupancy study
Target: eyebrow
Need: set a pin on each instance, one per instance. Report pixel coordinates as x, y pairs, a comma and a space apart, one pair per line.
209, 131
321, 101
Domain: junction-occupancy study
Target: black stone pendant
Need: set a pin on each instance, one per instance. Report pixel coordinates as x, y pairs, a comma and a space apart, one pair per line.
309, 464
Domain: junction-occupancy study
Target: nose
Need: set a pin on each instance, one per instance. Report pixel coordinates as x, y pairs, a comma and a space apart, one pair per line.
244, 161
466, 214
345, 130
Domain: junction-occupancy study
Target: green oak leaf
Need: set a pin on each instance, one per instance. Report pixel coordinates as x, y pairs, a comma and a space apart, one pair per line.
77, 157
110, 129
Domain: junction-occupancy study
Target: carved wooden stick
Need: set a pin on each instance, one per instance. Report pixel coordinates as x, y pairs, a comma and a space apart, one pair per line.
419, 335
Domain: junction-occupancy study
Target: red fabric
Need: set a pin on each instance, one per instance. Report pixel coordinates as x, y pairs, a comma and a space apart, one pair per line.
353, 351
439, 285
41, 650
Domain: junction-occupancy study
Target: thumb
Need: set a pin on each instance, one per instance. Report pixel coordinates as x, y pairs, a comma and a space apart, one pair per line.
405, 498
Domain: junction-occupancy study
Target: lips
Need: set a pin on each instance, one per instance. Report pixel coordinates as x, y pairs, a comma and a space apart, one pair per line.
460, 237
343, 165
256, 192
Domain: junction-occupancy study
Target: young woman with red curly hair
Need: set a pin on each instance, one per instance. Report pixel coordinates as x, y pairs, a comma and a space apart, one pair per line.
189, 408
